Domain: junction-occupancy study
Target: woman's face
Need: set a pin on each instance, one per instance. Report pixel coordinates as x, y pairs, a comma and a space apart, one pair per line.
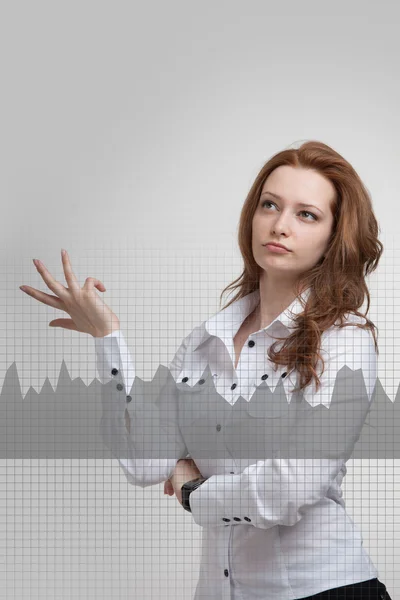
304, 230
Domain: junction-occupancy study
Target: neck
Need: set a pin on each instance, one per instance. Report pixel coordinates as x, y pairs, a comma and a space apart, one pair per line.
274, 298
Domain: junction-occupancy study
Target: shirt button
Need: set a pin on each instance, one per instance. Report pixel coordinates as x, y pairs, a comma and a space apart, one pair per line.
265, 376
284, 374
251, 343
201, 381
218, 428
128, 398
233, 386
236, 519
120, 386
185, 379
226, 520
114, 372
226, 573
247, 519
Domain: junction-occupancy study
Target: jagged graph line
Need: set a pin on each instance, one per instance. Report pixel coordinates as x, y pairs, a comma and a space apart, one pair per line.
76, 420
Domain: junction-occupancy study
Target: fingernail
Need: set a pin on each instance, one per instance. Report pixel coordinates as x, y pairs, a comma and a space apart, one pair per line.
62, 251
35, 262
22, 287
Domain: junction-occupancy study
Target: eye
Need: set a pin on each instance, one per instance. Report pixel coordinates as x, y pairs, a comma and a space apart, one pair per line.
267, 202
310, 213
301, 212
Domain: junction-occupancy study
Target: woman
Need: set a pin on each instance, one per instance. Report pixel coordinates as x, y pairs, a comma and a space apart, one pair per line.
274, 528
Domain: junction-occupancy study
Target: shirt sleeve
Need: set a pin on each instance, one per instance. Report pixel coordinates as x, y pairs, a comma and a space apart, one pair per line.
281, 489
148, 451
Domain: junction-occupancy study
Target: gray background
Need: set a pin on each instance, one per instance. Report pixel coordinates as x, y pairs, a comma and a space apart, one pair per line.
130, 135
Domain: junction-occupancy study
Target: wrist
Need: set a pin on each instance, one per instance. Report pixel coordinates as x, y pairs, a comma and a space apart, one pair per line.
189, 487
102, 334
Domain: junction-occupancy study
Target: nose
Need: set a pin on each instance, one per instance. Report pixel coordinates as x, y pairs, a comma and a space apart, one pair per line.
281, 225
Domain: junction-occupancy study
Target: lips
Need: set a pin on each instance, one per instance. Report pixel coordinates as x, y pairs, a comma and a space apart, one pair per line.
278, 245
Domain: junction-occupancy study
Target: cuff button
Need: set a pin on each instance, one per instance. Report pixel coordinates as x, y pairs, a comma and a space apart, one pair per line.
120, 386
114, 372
128, 398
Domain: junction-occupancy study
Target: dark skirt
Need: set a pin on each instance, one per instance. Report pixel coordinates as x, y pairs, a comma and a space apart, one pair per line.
373, 589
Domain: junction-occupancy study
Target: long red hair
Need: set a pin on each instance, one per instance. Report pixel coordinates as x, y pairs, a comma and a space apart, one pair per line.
338, 279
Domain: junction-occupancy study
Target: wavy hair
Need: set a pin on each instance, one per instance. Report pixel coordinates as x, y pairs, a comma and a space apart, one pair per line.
337, 281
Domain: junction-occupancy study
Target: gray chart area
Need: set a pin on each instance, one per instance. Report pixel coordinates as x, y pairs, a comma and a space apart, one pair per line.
79, 421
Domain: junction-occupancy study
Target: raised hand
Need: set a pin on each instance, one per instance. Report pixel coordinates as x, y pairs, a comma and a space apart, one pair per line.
89, 314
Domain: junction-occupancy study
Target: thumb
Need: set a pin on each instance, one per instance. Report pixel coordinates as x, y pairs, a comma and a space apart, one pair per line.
65, 323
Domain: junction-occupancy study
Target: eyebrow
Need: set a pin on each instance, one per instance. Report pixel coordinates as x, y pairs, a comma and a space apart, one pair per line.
298, 203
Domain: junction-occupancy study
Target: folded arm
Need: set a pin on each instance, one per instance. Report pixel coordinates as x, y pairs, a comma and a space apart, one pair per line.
281, 489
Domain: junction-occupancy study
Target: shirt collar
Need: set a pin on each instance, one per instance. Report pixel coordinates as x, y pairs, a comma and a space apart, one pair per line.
227, 321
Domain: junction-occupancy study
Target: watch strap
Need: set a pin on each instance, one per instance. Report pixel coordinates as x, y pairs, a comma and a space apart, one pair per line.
188, 488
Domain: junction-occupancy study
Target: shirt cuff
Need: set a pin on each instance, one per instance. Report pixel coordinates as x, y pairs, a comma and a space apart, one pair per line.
112, 352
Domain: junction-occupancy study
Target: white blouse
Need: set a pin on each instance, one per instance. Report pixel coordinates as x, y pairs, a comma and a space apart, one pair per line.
274, 525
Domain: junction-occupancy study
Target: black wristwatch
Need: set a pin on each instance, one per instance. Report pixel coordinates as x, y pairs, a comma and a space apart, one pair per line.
187, 488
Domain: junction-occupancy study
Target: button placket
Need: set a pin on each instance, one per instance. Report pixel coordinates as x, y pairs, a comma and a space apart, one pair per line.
251, 344
263, 378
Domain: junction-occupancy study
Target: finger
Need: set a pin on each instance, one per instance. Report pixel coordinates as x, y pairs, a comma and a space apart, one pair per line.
169, 488
52, 284
64, 323
92, 282
70, 277
43, 297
